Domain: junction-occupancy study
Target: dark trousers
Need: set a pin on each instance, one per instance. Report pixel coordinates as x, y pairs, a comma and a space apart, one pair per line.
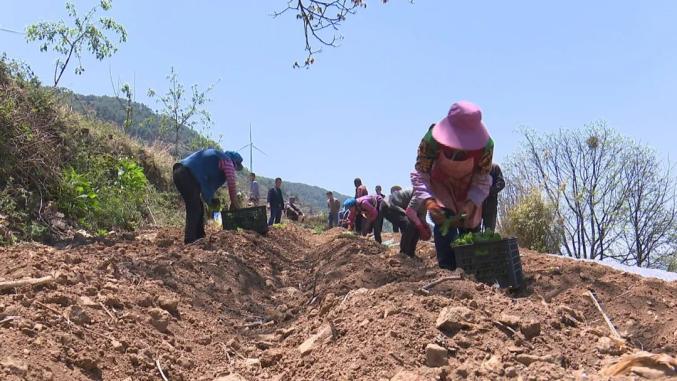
410, 235
332, 219
489, 212
190, 191
445, 253
359, 220
275, 215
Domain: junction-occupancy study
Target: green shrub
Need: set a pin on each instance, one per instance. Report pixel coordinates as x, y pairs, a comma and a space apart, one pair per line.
533, 222
16, 221
106, 193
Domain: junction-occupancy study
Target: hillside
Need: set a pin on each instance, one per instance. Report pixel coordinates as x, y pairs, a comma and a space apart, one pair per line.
298, 306
62, 172
146, 127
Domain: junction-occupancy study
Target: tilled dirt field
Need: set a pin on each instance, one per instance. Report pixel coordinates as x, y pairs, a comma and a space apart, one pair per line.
298, 306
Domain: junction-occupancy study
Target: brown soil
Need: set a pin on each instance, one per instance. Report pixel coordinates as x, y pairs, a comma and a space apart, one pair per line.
241, 303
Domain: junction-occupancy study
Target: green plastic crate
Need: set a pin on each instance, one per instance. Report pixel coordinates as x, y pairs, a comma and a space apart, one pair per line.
492, 262
246, 218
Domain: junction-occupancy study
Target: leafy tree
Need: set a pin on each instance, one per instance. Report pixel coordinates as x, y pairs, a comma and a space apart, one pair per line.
178, 111
86, 33
533, 221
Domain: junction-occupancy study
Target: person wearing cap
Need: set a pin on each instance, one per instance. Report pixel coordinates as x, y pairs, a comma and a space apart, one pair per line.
366, 207
451, 179
197, 177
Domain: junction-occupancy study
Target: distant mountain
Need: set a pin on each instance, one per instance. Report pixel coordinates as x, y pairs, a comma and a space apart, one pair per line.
146, 128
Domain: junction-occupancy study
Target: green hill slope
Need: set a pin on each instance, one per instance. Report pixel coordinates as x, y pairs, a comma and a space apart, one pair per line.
146, 127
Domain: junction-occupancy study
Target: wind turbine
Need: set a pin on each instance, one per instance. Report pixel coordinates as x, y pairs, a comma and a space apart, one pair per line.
252, 147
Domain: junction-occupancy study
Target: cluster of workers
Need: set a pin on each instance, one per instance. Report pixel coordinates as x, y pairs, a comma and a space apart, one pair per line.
454, 181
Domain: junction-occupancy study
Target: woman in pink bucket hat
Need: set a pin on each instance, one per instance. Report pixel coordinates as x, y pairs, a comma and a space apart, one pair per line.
451, 178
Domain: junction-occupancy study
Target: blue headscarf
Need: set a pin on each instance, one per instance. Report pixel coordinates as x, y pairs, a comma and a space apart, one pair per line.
236, 158
349, 203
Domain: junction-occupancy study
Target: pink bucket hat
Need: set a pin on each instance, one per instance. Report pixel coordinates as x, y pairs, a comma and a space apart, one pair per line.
462, 128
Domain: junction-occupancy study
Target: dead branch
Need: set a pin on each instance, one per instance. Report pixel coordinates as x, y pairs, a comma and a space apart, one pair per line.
157, 363
426, 288
108, 312
28, 282
604, 315
9, 318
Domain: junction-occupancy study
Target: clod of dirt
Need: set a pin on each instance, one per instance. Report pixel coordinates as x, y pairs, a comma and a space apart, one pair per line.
509, 320
527, 360
324, 334
270, 358
159, 319
170, 305
144, 300
454, 319
231, 377
87, 302
78, 316
436, 356
609, 346
421, 374
14, 366
530, 329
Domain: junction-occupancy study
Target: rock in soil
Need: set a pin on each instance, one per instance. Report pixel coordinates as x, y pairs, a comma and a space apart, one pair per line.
436, 356
454, 318
159, 319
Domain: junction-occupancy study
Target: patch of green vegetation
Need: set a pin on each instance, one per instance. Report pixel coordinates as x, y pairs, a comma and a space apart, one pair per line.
472, 238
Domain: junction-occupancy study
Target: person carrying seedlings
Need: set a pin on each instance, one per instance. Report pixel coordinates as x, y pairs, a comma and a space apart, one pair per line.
367, 208
276, 202
412, 224
490, 207
197, 177
451, 177
293, 212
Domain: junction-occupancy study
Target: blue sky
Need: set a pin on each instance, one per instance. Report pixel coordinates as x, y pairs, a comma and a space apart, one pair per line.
363, 107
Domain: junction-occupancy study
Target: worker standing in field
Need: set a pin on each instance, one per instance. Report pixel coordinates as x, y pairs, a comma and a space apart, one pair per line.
276, 202
490, 207
379, 191
197, 177
254, 195
451, 177
333, 205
